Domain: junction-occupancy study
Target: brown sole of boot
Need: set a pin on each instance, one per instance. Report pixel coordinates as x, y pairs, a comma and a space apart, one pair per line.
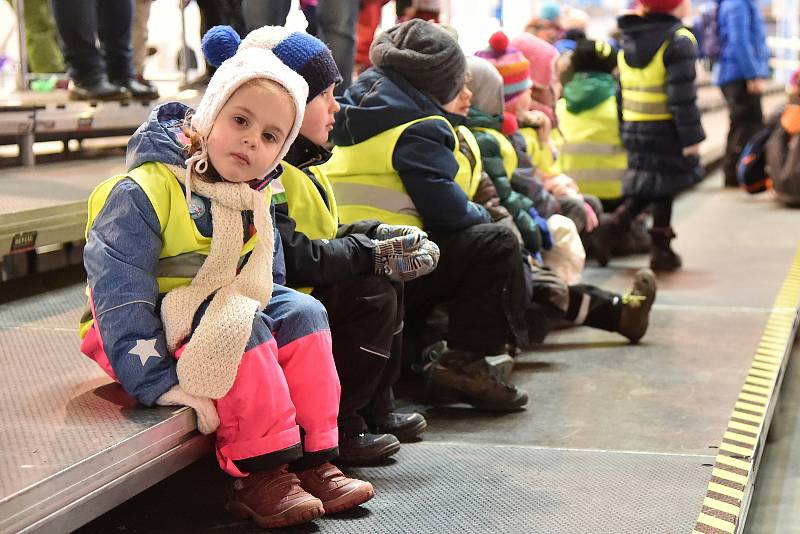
350, 500
301, 513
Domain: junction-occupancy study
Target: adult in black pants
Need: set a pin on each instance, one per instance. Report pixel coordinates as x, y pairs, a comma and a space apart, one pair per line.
105, 74
746, 119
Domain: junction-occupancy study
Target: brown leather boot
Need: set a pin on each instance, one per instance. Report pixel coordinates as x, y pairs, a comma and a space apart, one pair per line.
337, 492
273, 498
662, 257
635, 317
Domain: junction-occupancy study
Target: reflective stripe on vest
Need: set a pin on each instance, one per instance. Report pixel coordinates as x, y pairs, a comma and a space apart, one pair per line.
306, 206
644, 90
507, 152
592, 152
183, 247
367, 185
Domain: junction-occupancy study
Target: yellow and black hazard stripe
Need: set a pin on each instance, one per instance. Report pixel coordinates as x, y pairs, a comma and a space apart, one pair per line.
739, 452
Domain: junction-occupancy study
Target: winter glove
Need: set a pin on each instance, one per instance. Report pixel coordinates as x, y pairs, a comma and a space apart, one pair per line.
544, 230
395, 246
388, 231
406, 267
207, 417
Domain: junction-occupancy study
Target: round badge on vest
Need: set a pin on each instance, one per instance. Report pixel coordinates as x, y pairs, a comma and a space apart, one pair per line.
197, 207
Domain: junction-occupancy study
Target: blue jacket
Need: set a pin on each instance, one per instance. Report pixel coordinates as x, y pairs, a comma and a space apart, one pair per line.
744, 54
381, 99
121, 256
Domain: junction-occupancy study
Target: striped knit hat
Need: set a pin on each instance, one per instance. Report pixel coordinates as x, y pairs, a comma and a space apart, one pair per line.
512, 65
301, 52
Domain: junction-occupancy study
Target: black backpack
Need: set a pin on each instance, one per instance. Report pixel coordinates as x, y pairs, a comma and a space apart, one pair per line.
751, 169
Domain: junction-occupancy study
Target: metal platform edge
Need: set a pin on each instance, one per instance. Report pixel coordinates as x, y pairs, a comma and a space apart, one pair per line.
730, 490
83, 491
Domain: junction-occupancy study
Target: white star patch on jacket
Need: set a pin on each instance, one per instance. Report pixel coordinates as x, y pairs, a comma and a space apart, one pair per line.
145, 349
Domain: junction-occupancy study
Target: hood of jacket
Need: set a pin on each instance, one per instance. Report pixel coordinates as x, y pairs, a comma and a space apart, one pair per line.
160, 138
303, 153
379, 100
642, 36
479, 119
588, 89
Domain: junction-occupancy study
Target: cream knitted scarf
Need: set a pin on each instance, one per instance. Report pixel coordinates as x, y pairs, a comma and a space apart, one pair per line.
210, 361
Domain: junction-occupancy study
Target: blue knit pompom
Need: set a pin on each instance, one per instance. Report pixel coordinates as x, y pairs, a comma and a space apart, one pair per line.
220, 43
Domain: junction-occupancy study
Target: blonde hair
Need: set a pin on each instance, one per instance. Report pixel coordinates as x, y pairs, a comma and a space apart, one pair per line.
196, 140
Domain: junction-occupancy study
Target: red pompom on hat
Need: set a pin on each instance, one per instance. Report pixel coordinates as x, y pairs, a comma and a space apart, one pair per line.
498, 42
510, 123
660, 6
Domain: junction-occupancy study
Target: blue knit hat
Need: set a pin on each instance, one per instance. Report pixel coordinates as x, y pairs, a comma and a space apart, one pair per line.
301, 52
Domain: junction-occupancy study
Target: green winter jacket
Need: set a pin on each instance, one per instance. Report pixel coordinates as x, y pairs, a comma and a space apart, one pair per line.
518, 205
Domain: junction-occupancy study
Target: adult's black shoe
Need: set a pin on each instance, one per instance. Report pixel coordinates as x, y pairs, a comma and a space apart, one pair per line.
102, 89
137, 89
366, 448
403, 426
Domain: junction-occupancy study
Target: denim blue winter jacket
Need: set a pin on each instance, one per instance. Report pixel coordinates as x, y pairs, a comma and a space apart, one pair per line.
121, 255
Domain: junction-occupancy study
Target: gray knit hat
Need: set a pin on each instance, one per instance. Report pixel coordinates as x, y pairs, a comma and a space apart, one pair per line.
486, 85
425, 55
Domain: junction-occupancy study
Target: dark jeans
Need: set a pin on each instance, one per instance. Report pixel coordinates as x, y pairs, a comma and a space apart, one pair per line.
746, 119
336, 27
220, 12
80, 23
480, 280
366, 321
259, 13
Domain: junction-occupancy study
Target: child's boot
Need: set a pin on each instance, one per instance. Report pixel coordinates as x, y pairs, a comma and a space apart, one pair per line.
662, 257
608, 232
273, 498
636, 306
337, 492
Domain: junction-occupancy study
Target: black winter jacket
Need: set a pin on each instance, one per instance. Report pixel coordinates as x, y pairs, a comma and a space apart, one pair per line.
656, 166
321, 262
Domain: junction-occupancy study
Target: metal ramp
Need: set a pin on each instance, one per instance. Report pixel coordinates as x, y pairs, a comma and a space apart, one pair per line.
71, 443
27, 117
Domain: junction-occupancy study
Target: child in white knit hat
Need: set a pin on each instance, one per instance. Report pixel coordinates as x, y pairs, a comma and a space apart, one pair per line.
187, 307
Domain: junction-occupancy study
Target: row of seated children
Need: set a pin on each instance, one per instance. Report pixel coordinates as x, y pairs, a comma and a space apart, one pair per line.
180, 318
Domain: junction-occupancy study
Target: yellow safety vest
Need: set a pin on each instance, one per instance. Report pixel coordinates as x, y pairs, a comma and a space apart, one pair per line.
592, 152
542, 157
644, 90
368, 186
183, 247
306, 206
468, 177
507, 152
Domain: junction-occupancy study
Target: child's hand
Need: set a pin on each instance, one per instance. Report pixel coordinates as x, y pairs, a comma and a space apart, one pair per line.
693, 150
562, 185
